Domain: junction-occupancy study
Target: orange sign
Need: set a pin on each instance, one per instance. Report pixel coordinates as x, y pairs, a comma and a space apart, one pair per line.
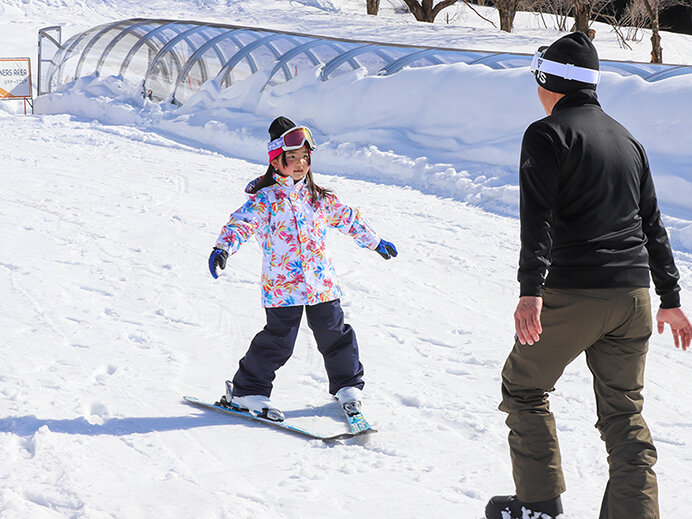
15, 78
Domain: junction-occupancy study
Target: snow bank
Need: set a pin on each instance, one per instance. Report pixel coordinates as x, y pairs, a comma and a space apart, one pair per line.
448, 130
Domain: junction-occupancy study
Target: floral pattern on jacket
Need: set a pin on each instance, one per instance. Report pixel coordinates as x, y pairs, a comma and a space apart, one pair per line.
291, 230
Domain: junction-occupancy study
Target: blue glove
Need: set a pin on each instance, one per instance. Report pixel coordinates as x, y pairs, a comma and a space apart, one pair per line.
386, 250
217, 258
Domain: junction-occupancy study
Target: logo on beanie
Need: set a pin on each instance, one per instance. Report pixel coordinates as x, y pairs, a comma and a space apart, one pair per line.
540, 76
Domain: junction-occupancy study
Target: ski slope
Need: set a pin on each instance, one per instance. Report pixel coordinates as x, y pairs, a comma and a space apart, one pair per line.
109, 316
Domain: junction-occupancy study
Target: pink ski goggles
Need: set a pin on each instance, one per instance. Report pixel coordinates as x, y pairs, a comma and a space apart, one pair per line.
290, 140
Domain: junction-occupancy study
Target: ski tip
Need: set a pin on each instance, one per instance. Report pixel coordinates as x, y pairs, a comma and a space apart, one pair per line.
363, 437
338, 437
348, 436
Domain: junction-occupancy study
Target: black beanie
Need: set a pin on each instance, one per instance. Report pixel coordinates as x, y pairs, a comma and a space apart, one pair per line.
573, 49
279, 126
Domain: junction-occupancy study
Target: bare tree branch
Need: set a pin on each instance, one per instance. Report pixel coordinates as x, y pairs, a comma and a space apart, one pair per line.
445, 3
479, 14
618, 30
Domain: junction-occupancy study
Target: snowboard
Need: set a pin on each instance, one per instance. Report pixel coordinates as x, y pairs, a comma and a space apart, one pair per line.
284, 425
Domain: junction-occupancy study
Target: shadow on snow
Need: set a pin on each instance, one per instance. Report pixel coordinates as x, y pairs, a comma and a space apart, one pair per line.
29, 425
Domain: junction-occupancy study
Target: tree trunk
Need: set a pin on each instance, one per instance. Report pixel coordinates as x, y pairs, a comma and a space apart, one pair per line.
415, 8
507, 9
373, 6
428, 15
582, 15
656, 49
652, 8
424, 11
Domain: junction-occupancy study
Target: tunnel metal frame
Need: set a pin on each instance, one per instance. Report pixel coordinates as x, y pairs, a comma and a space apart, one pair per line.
176, 47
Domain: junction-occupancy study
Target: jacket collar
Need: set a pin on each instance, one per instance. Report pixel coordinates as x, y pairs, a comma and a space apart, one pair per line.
282, 182
288, 182
582, 97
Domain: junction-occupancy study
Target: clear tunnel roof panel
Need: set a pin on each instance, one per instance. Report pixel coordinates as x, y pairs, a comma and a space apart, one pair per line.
175, 58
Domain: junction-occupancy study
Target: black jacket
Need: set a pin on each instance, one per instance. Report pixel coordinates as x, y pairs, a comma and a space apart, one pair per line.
589, 215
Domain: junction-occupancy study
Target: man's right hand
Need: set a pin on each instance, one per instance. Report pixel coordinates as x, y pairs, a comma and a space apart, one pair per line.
527, 319
679, 324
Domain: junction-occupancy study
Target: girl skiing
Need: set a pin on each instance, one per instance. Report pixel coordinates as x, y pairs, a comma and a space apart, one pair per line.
289, 214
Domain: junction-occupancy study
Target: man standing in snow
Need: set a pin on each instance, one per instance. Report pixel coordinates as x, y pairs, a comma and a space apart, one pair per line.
591, 234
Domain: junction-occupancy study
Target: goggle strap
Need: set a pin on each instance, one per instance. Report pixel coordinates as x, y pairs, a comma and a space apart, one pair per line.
566, 71
275, 144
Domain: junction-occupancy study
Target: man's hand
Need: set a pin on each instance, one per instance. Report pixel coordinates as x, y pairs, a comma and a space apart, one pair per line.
527, 319
679, 324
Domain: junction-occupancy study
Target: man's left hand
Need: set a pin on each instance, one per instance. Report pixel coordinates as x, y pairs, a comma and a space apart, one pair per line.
527, 319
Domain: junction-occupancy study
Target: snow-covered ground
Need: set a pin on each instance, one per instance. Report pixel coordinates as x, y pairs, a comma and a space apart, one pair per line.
108, 211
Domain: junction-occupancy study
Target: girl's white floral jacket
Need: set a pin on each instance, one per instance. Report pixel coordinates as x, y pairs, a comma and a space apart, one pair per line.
291, 230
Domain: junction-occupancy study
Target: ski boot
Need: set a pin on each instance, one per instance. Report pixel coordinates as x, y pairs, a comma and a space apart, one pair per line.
349, 399
510, 507
258, 405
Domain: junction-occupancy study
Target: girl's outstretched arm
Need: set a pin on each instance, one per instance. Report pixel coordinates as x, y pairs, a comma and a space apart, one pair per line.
350, 221
241, 225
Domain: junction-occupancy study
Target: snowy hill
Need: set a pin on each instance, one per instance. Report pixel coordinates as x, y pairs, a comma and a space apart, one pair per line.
108, 213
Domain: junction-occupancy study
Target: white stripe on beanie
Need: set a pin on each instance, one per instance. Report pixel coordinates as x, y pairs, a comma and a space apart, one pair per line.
564, 70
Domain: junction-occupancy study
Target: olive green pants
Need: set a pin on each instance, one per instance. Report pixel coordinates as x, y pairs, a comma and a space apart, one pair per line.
612, 327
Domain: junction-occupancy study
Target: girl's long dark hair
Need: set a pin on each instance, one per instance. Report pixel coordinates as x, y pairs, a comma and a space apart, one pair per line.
316, 192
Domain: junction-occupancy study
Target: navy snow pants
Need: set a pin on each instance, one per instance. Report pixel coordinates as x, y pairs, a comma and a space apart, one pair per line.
273, 346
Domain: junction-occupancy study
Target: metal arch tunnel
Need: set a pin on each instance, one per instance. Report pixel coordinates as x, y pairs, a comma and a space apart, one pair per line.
175, 58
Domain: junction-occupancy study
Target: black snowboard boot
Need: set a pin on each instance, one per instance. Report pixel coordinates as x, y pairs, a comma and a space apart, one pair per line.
514, 509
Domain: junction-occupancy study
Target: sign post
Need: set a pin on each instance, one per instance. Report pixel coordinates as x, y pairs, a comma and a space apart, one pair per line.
15, 80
